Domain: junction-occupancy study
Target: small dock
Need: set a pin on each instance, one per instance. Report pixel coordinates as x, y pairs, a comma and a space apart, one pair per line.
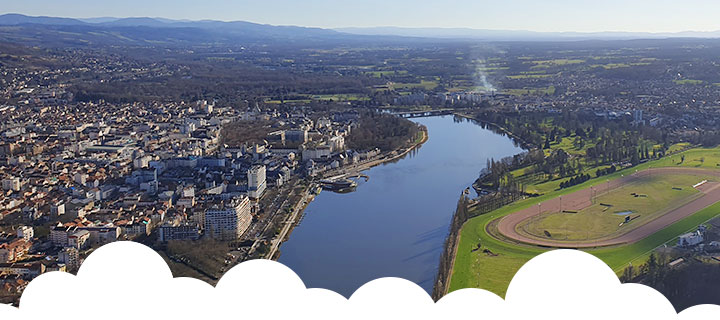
338, 184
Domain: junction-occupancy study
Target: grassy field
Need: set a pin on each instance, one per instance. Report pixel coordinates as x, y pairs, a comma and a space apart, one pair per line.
555, 62
658, 194
530, 76
611, 66
424, 84
380, 74
340, 97
494, 271
288, 101
689, 81
530, 91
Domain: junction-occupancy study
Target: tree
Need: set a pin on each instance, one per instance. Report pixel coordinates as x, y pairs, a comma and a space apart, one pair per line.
651, 269
628, 274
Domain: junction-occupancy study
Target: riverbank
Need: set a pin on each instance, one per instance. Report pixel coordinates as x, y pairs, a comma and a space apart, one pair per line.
524, 144
446, 267
308, 194
447, 260
378, 160
309, 191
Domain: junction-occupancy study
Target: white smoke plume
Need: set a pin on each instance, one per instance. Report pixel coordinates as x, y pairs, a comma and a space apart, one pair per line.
481, 78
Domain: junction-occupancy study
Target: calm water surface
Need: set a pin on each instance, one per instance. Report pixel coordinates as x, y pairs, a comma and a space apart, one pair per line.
395, 224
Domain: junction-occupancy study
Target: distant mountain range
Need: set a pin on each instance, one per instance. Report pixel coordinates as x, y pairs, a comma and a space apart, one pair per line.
55, 31
18, 19
512, 35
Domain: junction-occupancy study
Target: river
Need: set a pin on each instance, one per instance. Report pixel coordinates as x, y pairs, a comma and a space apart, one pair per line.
395, 224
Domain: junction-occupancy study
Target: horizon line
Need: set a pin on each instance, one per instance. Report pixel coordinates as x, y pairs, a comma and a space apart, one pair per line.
446, 28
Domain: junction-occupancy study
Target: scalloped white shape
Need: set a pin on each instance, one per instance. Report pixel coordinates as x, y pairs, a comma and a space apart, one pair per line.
127, 280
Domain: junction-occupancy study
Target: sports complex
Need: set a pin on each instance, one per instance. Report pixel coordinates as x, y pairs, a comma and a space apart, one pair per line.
620, 218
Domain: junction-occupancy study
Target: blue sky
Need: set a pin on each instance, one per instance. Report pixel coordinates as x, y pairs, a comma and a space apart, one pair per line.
536, 15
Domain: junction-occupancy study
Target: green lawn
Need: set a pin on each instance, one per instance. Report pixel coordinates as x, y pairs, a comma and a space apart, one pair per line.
340, 97
678, 147
600, 221
708, 158
424, 84
556, 62
530, 91
568, 145
689, 81
530, 76
380, 74
494, 272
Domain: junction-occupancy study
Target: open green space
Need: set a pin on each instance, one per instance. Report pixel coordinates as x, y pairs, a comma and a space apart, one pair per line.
380, 74
530, 91
643, 200
424, 84
495, 269
530, 76
689, 81
340, 97
558, 62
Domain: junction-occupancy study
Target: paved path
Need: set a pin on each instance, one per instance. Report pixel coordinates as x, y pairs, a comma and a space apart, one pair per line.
582, 199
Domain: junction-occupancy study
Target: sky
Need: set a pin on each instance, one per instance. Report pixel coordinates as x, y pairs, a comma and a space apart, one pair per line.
533, 15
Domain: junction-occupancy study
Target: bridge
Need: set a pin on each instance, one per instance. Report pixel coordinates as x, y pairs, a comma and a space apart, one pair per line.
420, 114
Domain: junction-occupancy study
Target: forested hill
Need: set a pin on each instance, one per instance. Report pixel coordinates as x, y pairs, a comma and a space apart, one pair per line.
58, 32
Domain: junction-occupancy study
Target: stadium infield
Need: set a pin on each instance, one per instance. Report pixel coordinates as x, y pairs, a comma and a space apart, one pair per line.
508, 226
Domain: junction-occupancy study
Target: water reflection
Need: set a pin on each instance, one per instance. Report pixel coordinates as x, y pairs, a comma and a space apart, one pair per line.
394, 225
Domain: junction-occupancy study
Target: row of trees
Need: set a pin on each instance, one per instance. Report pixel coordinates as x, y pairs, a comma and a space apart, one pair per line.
442, 280
575, 181
603, 172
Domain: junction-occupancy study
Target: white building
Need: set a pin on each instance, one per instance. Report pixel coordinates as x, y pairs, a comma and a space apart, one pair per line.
638, 116
337, 143
70, 257
25, 232
57, 209
11, 184
79, 239
324, 123
59, 235
256, 181
188, 192
80, 178
316, 153
228, 221
690, 239
178, 231
142, 162
205, 107
103, 235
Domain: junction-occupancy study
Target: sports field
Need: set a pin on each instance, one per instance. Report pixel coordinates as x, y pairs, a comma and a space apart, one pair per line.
601, 215
494, 267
